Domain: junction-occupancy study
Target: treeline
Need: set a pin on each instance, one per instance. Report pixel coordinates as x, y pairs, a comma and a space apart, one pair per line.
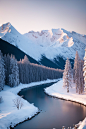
13, 72
74, 75
9, 71
29, 72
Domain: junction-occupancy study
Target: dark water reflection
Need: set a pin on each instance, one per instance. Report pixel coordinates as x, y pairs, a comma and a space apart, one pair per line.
54, 112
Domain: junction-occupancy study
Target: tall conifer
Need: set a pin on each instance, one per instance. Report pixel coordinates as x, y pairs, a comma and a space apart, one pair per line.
67, 75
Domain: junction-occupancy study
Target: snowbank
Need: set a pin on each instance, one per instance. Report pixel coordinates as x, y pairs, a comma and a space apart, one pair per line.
83, 124
9, 114
58, 91
22, 86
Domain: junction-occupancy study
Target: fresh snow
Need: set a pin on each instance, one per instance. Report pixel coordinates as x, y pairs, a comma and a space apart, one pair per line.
61, 42
57, 90
9, 114
20, 41
82, 124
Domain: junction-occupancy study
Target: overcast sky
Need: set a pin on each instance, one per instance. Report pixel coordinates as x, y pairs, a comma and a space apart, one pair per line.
37, 15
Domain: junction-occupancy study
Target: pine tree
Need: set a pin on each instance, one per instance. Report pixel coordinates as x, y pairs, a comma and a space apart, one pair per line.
14, 72
75, 66
7, 68
76, 71
67, 75
71, 76
78, 74
84, 69
2, 72
25, 70
81, 78
25, 60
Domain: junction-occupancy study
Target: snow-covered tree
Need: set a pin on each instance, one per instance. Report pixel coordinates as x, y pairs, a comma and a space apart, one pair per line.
76, 62
78, 74
25, 69
25, 60
7, 68
76, 71
84, 69
81, 78
2, 72
14, 72
67, 75
71, 74
1, 99
18, 103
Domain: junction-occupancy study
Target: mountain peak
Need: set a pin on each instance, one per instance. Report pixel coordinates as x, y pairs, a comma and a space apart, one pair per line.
5, 25
4, 29
53, 37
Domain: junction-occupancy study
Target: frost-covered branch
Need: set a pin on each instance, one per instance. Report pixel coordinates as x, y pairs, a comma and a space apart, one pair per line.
18, 103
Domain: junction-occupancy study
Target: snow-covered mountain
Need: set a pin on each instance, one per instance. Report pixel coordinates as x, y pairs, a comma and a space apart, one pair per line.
59, 42
51, 43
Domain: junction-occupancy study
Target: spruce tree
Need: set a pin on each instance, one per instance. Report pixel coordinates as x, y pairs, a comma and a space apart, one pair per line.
14, 72
67, 75
81, 78
7, 68
75, 66
76, 72
84, 69
2, 72
25, 60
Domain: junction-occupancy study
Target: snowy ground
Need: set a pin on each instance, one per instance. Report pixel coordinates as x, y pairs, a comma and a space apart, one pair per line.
9, 114
83, 124
57, 90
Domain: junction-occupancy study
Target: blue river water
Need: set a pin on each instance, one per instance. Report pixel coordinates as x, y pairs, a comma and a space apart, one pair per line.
54, 112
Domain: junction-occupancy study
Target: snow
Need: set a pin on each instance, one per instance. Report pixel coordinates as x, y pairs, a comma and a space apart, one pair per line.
4, 29
61, 42
9, 114
57, 90
57, 31
23, 43
83, 124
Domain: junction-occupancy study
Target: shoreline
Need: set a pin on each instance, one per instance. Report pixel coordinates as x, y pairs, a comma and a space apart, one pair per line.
69, 101
13, 93
64, 99
51, 91
25, 120
36, 112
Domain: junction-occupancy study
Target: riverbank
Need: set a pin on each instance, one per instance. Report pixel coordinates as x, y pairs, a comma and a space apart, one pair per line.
9, 114
57, 90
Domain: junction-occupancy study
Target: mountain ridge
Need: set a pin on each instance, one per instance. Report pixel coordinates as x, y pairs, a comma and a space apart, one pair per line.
51, 43
11, 49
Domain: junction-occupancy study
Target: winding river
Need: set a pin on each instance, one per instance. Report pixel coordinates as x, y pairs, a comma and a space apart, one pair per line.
54, 112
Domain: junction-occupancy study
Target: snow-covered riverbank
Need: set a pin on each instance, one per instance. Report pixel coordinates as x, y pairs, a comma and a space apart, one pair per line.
9, 114
57, 90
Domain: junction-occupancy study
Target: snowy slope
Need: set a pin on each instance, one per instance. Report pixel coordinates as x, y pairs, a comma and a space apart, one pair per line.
59, 42
54, 38
51, 43
11, 35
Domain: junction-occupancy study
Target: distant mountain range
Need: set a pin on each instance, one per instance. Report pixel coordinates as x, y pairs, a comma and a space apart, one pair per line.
48, 47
